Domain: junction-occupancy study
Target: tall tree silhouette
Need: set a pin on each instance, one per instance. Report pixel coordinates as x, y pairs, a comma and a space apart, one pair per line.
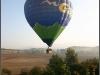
58, 66
71, 57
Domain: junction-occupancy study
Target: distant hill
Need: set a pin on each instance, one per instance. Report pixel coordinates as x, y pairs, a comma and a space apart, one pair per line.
83, 52
87, 51
78, 48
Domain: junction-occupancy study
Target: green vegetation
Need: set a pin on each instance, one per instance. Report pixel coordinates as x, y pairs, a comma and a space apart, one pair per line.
71, 57
5, 72
71, 65
36, 71
58, 66
68, 66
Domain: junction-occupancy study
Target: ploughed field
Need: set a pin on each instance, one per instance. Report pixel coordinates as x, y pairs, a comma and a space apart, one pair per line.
17, 62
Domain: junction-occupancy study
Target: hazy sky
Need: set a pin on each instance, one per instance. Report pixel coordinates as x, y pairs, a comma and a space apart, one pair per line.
82, 30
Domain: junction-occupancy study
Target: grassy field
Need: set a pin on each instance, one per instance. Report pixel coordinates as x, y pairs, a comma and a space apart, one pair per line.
17, 62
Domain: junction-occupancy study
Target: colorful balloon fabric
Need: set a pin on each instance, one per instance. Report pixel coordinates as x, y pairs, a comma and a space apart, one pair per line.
48, 18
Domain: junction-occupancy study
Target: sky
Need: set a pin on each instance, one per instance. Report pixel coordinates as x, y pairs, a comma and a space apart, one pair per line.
82, 30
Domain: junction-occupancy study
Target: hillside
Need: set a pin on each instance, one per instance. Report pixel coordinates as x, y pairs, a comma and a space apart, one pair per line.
83, 52
16, 60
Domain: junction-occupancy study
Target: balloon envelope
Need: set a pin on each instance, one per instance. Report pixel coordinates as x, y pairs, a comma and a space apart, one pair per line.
48, 18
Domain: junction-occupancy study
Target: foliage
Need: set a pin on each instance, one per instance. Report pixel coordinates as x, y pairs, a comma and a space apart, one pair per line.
73, 62
36, 71
69, 66
71, 57
48, 71
6, 72
24, 72
92, 65
88, 62
58, 66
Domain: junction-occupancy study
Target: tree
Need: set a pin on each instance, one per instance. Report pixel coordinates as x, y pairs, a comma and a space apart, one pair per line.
73, 62
36, 71
57, 65
71, 57
48, 71
24, 72
92, 65
97, 70
5, 72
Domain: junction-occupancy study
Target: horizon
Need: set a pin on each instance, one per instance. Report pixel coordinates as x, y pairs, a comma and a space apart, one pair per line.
52, 48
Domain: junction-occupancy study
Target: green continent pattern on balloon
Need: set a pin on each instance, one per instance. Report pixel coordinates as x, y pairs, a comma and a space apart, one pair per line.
50, 33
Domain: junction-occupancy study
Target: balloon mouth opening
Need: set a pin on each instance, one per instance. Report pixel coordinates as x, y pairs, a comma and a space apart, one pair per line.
49, 42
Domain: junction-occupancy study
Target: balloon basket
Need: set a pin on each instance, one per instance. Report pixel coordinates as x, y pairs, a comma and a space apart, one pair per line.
49, 50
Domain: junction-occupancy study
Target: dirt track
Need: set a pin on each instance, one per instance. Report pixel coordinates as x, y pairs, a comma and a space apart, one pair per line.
16, 62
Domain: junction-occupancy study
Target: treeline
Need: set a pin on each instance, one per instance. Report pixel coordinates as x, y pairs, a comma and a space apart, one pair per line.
70, 65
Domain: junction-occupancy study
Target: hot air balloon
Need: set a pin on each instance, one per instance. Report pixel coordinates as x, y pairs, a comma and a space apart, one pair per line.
48, 18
